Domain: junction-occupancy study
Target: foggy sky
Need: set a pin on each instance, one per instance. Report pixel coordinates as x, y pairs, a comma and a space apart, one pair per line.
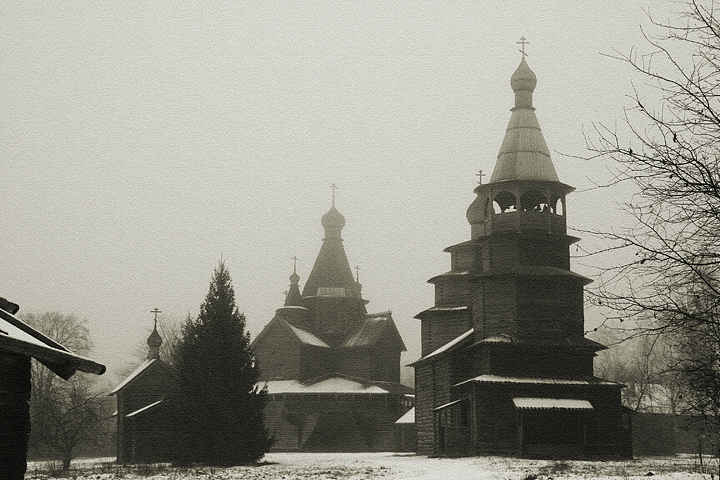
143, 141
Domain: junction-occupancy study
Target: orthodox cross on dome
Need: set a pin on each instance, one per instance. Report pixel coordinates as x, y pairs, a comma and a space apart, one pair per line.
480, 174
294, 259
522, 44
334, 187
156, 311
357, 273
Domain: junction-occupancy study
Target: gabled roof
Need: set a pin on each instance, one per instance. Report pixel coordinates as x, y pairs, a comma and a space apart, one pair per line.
146, 366
17, 337
303, 336
306, 337
371, 330
463, 339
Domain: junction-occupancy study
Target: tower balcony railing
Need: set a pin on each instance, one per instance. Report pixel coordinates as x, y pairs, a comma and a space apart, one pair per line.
521, 221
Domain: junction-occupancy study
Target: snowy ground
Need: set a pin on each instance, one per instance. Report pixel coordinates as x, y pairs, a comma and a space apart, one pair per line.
390, 466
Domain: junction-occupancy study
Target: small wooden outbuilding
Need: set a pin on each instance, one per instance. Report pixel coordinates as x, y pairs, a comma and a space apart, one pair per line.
144, 415
18, 343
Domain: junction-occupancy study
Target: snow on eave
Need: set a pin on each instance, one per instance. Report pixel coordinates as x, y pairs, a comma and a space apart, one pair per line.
460, 308
306, 337
447, 346
532, 380
143, 409
528, 403
133, 375
408, 418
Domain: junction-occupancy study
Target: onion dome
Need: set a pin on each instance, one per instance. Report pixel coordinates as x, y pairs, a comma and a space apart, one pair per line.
523, 79
294, 298
154, 341
524, 155
333, 221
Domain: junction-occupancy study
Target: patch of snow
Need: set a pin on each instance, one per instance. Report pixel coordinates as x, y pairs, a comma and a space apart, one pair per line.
551, 403
330, 385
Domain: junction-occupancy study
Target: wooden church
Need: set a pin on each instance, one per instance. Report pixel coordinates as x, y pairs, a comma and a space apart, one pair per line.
332, 370
505, 366
145, 408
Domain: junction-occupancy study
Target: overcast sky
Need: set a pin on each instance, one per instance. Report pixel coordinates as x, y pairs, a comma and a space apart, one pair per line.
141, 141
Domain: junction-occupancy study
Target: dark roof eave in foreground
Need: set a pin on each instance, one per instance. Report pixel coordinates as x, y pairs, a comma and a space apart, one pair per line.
57, 358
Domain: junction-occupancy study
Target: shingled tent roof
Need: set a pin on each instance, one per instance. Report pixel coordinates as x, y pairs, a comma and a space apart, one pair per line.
17, 337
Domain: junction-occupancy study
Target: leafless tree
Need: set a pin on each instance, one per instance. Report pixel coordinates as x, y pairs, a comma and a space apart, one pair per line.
666, 275
646, 365
671, 154
65, 414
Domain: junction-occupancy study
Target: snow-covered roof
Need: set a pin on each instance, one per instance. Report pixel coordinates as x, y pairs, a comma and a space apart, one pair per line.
307, 337
144, 409
451, 273
371, 330
532, 380
133, 375
442, 407
551, 404
330, 385
457, 309
447, 346
19, 338
409, 417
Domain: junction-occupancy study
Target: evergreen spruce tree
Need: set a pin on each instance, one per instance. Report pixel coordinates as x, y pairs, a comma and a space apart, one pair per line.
220, 413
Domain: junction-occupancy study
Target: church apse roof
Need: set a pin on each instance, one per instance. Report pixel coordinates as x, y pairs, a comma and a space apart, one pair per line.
302, 336
372, 330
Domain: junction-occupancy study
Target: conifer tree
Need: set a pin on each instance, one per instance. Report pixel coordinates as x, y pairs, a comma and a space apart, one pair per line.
221, 409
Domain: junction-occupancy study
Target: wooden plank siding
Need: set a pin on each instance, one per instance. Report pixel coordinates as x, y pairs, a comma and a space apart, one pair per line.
14, 414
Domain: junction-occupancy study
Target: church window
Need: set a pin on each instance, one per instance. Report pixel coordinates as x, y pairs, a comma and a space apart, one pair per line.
534, 201
504, 202
557, 205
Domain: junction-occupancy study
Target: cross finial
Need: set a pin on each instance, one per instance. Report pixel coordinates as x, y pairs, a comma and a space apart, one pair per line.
334, 187
357, 274
286, 293
480, 174
522, 44
294, 259
156, 311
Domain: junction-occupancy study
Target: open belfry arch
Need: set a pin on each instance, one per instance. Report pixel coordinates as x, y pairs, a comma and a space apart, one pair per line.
505, 366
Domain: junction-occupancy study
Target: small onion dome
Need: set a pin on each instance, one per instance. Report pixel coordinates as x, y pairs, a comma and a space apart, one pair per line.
294, 279
154, 340
523, 78
333, 219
